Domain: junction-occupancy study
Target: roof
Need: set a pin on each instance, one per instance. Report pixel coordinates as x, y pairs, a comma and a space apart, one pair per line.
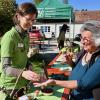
52, 4
82, 16
53, 9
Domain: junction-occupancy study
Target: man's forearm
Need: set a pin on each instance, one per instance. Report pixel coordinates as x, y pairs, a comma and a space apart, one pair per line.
13, 71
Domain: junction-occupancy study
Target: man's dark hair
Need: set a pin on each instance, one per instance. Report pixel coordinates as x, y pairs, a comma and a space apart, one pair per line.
24, 9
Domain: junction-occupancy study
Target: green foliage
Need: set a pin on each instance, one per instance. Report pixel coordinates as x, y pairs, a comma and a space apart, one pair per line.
7, 8
36, 61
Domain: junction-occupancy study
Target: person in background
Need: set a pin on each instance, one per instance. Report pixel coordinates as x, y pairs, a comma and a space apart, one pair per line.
53, 35
77, 37
61, 37
77, 40
85, 77
15, 69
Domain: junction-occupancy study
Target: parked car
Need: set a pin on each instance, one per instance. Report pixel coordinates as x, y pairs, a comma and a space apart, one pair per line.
36, 37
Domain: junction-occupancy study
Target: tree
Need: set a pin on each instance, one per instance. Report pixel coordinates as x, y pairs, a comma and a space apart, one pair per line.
7, 9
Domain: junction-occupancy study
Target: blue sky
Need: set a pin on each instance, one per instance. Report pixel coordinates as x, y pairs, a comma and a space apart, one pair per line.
77, 4
85, 4
22, 1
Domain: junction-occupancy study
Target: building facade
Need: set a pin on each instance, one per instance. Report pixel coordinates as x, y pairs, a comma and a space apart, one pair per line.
80, 18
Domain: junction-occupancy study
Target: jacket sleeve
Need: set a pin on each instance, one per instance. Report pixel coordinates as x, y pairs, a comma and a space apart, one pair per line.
9, 69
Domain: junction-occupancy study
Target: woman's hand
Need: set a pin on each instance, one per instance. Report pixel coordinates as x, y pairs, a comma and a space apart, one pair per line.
30, 75
48, 82
69, 57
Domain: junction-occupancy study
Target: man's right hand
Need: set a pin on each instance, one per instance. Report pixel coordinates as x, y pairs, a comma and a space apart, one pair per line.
30, 75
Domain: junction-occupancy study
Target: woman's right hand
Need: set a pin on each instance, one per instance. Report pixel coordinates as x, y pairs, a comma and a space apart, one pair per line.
46, 83
30, 75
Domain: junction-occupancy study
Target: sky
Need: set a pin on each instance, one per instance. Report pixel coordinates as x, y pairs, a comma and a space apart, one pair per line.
22, 1
85, 4
78, 4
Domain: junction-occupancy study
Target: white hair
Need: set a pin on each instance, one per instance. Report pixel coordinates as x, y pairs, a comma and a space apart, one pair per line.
94, 27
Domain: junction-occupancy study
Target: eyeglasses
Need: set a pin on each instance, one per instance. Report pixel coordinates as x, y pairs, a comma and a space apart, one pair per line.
30, 20
85, 39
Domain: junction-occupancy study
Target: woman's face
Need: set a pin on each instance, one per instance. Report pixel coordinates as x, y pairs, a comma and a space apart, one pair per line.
26, 21
87, 41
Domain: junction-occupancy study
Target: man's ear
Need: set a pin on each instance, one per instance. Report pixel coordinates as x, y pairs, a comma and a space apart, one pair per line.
18, 18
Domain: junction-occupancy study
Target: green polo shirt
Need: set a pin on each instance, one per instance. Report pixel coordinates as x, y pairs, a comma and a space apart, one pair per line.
12, 45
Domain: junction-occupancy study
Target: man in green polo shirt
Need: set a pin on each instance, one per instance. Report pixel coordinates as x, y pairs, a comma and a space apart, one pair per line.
15, 72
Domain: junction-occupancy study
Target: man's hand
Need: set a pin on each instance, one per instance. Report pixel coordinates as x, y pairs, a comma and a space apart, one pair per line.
30, 75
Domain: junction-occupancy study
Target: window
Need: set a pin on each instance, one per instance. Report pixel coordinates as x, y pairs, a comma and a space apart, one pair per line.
45, 28
48, 28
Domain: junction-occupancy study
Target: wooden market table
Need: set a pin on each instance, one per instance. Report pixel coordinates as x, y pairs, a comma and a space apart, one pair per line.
53, 70
59, 93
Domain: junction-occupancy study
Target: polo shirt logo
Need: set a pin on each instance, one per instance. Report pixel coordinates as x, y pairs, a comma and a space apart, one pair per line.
21, 45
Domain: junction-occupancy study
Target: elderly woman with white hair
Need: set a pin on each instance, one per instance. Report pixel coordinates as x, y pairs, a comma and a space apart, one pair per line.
85, 77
